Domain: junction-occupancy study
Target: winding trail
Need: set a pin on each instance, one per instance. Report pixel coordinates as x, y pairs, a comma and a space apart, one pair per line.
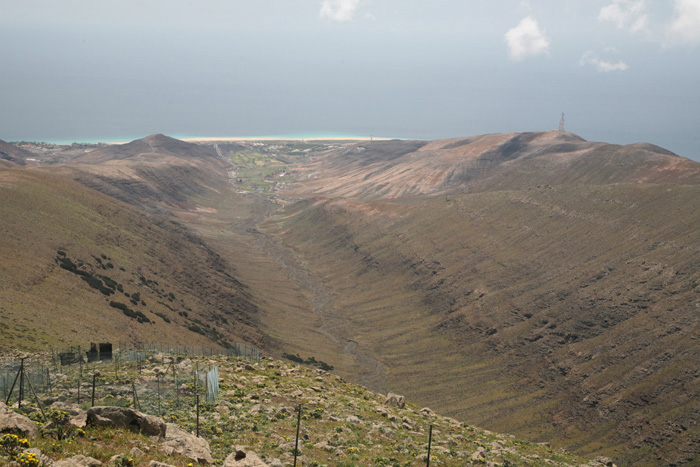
334, 326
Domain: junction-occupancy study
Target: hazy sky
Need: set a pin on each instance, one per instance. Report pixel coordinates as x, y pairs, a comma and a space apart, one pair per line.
623, 70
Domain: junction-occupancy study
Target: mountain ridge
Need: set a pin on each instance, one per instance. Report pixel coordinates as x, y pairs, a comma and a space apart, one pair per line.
402, 168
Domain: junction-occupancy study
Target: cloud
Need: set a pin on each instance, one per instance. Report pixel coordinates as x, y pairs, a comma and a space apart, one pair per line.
626, 14
526, 39
685, 26
590, 58
338, 10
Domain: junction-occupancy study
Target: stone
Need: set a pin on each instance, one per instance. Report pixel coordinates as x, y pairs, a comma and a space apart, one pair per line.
606, 461
79, 421
479, 454
186, 444
11, 422
133, 420
78, 461
159, 464
395, 400
136, 452
241, 458
275, 463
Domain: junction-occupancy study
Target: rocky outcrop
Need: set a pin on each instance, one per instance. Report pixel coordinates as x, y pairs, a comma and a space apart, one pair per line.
135, 421
395, 400
178, 441
11, 422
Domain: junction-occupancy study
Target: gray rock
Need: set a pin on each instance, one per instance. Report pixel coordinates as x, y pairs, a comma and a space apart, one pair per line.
180, 442
606, 461
395, 400
241, 458
11, 422
159, 464
78, 461
128, 418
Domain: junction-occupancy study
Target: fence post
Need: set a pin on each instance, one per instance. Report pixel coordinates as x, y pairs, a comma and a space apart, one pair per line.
197, 415
94, 379
430, 441
21, 382
160, 410
296, 443
177, 391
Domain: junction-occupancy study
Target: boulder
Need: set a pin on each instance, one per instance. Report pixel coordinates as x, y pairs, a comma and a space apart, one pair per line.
395, 400
133, 420
78, 461
241, 458
159, 464
12, 422
186, 444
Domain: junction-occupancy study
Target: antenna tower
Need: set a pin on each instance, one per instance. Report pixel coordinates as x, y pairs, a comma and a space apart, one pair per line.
561, 122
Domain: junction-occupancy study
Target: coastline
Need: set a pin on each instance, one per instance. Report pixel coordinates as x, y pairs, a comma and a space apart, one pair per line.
210, 139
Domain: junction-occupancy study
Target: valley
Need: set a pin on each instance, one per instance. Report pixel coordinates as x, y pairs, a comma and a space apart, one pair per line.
533, 283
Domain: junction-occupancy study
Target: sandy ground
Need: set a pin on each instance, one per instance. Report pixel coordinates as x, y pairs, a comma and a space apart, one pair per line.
268, 138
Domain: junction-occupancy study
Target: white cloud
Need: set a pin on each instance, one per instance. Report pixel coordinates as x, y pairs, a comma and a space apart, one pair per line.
338, 10
526, 39
685, 26
626, 14
590, 58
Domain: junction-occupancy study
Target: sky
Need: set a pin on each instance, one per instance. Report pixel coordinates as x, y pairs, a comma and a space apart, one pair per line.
622, 71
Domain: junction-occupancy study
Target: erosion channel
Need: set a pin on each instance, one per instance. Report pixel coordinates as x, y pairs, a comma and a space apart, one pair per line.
333, 325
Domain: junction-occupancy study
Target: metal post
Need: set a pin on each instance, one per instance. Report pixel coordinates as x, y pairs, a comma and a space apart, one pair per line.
430, 441
38, 402
21, 382
296, 444
92, 401
197, 415
160, 410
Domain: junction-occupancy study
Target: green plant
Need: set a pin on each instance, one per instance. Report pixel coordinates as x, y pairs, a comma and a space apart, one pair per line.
13, 444
58, 424
28, 459
124, 462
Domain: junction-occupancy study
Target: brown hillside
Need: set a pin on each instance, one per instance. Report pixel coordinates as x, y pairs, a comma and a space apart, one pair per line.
533, 283
551, 290
490, 162
11, 153
69, 251
154, 172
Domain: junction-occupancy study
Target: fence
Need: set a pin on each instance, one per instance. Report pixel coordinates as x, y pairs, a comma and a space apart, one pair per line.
118, 377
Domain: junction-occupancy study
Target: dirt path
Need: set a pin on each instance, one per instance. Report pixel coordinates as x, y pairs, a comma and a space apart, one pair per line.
334, 326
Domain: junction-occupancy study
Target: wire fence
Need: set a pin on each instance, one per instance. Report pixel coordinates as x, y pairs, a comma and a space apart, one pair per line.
157, 379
